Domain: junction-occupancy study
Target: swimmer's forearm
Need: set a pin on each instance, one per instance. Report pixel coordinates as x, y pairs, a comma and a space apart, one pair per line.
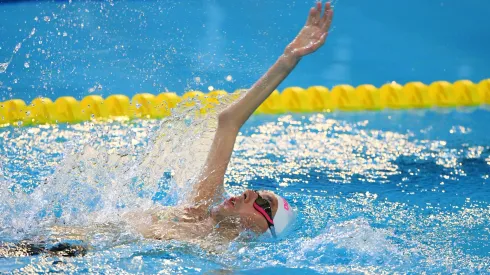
238, 112
229, 122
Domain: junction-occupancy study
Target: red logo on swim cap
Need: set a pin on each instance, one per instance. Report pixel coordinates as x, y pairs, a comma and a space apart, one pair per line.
286, 205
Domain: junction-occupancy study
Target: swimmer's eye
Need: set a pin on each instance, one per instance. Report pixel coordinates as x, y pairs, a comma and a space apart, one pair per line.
268, 199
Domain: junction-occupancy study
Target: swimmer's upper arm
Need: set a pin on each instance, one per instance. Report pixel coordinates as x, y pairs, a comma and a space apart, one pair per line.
230, 120
211, 179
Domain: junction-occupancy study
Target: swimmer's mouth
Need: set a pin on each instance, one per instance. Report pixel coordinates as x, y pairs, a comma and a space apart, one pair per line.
231, 201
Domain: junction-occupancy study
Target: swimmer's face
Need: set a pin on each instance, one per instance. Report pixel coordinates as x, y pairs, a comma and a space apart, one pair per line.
241, 208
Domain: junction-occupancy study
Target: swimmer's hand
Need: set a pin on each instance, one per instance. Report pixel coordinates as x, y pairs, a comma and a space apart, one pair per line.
313, 35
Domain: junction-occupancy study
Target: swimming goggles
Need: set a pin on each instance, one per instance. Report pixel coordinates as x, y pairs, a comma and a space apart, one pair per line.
264, 207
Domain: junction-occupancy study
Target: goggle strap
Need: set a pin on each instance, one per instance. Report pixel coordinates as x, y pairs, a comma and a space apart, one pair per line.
262, 211
273, 231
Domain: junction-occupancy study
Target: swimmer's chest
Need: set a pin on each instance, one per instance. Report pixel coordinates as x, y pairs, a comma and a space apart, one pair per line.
179, 224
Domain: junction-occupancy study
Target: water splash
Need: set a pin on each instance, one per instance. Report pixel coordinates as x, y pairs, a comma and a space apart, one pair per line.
111, 169
369, 198
5, 65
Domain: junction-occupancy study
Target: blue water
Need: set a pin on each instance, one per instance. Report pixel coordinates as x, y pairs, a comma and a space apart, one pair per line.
376, 192
107, 47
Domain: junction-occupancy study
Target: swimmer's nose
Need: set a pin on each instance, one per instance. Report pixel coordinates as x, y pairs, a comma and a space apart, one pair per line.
249, 196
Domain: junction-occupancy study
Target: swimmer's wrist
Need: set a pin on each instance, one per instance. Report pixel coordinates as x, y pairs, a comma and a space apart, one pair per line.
289, 60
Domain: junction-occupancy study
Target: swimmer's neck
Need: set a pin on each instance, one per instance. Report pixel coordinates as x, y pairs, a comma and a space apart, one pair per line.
226, 228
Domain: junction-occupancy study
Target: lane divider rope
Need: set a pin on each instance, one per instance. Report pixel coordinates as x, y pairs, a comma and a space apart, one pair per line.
413, 95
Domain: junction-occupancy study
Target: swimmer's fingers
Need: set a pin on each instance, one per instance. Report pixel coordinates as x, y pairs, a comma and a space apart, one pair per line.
311, 15
314, 15
327, 17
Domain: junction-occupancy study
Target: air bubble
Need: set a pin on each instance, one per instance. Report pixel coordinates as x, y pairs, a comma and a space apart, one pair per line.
229, 78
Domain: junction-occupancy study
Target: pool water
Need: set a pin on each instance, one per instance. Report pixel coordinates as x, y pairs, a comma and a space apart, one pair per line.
376, 192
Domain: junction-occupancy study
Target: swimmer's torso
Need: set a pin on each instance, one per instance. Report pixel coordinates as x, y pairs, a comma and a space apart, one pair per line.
171, 223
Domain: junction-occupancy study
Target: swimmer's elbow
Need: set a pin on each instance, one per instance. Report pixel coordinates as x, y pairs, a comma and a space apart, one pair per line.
226, 120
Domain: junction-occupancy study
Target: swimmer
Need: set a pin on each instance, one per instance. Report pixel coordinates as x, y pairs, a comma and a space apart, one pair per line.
207, 215
257, 211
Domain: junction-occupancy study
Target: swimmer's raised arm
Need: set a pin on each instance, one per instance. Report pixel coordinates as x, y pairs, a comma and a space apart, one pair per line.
311, 37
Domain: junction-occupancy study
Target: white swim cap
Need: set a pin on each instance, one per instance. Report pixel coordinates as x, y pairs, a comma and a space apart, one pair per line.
284, 216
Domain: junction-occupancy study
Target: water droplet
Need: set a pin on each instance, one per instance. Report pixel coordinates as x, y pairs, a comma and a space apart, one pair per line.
197, 79
229, 78
36, 18
26, 65
9, 88
15, 81
65, 34
47, 19
17, 47
210, 88
4, 66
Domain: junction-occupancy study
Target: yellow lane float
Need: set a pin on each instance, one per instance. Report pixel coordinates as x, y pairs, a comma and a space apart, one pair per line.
13, 111
117, 105
93, 107
67, 109
439, 94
